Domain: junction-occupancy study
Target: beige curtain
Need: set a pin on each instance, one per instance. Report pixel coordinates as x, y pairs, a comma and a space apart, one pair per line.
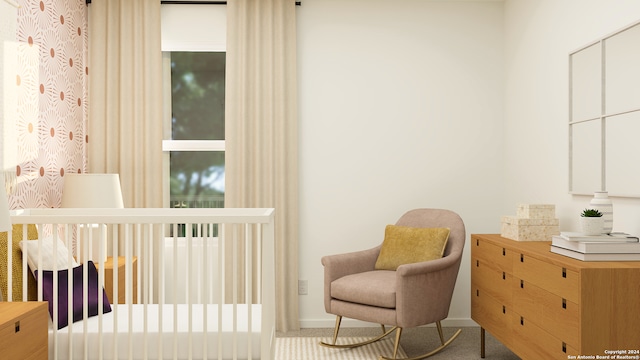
125, 97
261, 130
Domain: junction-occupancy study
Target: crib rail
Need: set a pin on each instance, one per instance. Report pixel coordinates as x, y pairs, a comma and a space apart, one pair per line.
197, 283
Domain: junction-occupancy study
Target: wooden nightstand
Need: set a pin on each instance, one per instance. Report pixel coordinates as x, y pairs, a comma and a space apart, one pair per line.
23, 330
108, 278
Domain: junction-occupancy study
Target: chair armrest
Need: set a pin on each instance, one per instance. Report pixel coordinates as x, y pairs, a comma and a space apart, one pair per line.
425, 267
337, 266
424, 290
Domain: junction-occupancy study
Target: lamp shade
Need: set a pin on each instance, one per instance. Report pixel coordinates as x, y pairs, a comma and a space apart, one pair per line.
92, 191
5, 218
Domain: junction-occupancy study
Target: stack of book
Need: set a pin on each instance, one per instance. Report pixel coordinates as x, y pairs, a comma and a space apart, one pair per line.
605, 247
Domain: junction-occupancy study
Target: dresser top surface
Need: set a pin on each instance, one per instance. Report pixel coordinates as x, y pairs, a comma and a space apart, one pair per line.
542, 250
10, 310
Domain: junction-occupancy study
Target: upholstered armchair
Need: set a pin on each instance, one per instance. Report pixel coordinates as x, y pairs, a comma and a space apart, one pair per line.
414, 294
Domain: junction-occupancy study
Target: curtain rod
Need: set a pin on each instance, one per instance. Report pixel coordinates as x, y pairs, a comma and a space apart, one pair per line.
186, 2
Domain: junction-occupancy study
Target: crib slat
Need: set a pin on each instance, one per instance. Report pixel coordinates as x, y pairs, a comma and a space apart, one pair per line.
116, 277
101, 255
161, 287
148, 274
146, 244
175, 300
56, 234
128, 275
189, 282
25, 269
249, 283
85, 285
222, 249
206, 238
235, 293
135, 293
55, 287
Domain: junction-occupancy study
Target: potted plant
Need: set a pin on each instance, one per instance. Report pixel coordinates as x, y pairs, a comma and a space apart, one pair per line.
592, 222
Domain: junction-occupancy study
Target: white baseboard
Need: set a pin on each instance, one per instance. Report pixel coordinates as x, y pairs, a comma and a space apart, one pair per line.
330, 323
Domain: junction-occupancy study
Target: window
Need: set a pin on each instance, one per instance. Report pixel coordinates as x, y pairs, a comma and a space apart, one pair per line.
194, 84
196, 146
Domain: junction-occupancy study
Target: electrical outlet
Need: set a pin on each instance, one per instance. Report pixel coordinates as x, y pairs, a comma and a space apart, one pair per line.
303, 287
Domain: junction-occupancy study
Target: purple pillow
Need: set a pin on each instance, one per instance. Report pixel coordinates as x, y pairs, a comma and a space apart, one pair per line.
63, 301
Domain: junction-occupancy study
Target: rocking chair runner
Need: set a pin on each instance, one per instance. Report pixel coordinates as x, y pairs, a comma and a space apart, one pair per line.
414, 294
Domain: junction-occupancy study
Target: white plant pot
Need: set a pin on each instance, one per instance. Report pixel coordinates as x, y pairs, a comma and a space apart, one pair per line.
592, 225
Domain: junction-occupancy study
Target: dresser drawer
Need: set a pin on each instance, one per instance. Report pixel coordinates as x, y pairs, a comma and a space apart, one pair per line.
496, 256
532, 342
492, 314
25, 336
558, 316
555, 279
498, 284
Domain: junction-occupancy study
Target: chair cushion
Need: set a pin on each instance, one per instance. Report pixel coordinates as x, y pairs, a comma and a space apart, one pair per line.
375, 288
406, 245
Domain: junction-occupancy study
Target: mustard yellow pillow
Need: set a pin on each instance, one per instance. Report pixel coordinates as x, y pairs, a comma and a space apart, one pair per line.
407, 245
32, 234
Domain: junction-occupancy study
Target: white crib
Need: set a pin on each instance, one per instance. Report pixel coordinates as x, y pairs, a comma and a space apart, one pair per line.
203, 286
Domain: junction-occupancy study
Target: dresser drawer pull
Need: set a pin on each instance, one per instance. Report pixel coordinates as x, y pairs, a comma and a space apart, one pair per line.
504, 276
521, 320
17, 326
477, 242
504, 309
521, 284
477, 292
504, 252
564, 347
564, 273
564, 303
477, 263
521, 257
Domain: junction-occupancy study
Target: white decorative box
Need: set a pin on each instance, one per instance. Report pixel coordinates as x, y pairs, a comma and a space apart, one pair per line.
534, 222
536, 211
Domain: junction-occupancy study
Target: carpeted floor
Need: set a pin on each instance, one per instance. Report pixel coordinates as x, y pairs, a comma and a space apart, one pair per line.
307, 348
417, 341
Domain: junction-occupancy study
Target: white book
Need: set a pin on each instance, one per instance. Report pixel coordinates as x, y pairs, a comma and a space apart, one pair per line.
622, 246
617, 236
595, 257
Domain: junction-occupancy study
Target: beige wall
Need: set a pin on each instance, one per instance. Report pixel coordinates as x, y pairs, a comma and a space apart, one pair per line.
400, 107
539, 35
450, 104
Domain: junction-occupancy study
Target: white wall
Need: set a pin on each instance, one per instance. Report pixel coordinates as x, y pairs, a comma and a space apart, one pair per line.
401, 107
462, 105
539, 36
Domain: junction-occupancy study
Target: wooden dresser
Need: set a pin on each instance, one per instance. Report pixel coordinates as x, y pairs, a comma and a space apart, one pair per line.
547, 306
24, 330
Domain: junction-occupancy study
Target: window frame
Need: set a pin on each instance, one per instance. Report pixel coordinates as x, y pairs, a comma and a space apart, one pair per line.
187, 28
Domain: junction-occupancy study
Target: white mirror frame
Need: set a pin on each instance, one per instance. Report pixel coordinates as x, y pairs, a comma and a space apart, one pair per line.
604, 115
